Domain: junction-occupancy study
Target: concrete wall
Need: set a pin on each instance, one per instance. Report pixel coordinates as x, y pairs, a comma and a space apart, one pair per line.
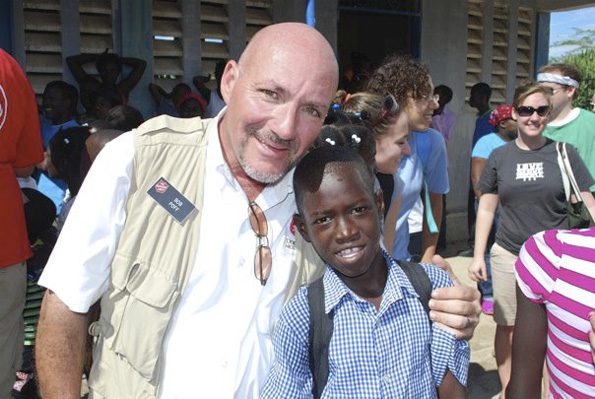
444, 49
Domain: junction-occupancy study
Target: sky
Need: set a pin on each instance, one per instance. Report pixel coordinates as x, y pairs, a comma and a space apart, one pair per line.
561, 24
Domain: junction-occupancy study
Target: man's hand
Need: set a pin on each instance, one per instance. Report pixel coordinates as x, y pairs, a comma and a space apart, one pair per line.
455, 309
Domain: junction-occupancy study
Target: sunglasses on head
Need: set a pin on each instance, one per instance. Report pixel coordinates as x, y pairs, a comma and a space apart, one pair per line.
526, 110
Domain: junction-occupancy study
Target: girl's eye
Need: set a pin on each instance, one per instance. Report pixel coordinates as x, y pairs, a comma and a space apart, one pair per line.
359, 209
322, 220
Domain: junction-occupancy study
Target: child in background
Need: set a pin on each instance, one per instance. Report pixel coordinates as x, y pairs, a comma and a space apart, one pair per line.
64, 158
382, 344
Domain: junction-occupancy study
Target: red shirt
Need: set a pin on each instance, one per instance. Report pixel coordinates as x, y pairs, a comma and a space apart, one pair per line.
20, 146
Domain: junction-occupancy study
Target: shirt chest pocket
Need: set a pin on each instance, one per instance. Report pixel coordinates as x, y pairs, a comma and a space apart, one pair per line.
142, 303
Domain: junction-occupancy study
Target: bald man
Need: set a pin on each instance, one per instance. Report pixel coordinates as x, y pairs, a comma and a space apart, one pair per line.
183, 229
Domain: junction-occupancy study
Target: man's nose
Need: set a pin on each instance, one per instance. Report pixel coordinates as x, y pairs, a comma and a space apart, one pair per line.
285, 121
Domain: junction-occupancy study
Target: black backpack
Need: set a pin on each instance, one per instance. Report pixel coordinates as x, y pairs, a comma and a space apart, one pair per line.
321, 324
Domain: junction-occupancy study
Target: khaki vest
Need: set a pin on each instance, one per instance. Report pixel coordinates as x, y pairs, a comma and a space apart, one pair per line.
151, 264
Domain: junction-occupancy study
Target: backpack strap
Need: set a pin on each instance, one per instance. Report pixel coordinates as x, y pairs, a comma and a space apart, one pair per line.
420, 281
321, 331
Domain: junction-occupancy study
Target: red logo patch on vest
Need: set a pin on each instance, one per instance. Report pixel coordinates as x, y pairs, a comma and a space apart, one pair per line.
161, 186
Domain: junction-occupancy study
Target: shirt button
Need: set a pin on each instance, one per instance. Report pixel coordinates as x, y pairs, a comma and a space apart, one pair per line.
242, 262
224, 365
386, 378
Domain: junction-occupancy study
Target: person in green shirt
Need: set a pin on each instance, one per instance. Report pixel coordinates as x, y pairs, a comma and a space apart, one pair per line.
567, 123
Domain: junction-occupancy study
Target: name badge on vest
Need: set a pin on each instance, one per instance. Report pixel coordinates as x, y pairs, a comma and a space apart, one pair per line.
171, 200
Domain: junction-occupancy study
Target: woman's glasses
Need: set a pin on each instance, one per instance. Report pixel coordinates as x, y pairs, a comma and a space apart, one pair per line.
263, 259
526, 110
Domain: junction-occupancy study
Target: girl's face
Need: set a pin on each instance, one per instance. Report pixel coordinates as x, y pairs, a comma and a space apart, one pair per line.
420, 110
392, 145
529, 121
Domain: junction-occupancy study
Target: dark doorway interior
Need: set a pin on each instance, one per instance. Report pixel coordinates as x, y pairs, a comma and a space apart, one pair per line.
375, 33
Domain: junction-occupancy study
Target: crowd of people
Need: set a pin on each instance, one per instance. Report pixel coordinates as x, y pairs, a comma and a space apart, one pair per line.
333, 200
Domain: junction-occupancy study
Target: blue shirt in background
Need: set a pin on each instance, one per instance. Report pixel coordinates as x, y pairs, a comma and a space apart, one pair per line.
485, 145
427, 162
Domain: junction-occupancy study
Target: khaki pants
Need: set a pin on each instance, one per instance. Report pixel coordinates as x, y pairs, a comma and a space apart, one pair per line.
13, 287
504, 283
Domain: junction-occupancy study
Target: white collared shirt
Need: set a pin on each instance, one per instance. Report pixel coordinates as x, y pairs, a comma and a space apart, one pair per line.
218, 343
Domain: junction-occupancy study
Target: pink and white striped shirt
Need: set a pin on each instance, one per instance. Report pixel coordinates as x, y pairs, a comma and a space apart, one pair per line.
556, 268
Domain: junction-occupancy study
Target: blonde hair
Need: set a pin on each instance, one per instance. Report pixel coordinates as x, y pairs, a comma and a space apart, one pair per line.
371, 108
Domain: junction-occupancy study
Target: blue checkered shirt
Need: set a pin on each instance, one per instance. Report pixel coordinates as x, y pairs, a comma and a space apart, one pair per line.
388, 353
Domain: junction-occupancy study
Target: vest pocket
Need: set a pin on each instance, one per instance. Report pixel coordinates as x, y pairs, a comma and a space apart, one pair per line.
146, 302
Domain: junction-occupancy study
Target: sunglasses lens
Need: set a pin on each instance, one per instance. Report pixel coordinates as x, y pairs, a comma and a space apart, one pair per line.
543, 110
263, 261
258, 221
525, 111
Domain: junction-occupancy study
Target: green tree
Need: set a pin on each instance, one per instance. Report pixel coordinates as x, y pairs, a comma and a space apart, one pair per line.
585, 62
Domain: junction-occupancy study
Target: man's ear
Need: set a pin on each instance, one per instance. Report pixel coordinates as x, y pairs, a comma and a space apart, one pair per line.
513, 115
299, 222
229, 79
379, 203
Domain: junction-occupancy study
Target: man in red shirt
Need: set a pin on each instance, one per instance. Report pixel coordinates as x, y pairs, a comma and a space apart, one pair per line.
20, 151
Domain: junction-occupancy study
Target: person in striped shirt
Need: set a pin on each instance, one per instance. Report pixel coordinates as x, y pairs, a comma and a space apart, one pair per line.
555, 273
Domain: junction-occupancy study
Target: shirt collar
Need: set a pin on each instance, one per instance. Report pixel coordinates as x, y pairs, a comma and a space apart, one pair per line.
397, 281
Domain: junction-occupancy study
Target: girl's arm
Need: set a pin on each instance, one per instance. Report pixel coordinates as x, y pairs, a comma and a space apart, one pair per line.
528, 349
451, 388
589, 202
488, 203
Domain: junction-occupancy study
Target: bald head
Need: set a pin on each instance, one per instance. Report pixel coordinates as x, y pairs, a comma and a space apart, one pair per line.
277, 96
298, 38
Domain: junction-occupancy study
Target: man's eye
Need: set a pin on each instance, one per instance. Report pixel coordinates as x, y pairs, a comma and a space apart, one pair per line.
270, 93
313, 111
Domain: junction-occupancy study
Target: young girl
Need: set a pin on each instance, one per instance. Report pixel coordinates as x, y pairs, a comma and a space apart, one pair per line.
524, 178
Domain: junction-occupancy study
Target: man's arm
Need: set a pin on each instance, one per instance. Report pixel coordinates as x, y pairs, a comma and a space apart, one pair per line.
138, 68
477, 165
75, 64
528, 349
451, 388
429, 240
60, 348
456, 309
157, 92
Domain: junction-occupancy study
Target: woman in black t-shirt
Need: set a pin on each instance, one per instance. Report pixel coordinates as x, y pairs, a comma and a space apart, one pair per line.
522, 176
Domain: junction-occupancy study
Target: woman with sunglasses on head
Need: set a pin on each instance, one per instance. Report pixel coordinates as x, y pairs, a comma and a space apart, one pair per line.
382, 149
522, 176
409, 82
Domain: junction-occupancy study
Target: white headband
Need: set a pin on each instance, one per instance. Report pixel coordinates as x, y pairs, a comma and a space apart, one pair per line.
553, 78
